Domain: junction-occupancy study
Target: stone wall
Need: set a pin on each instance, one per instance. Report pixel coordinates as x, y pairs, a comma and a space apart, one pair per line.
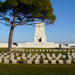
37, 45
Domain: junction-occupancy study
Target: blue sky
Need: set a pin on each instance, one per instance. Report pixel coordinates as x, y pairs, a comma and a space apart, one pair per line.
63, 30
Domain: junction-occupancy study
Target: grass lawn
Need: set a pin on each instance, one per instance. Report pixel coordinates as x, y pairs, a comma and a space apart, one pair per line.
24, 69
3, 49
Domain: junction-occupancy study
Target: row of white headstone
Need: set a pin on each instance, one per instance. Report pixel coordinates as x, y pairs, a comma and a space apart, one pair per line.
36, 58
41, 50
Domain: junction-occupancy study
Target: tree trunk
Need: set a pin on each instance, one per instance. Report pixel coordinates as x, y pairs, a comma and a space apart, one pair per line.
10, 38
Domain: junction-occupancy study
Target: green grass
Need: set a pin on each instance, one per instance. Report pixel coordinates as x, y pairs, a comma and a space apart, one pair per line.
23, 69
3, 49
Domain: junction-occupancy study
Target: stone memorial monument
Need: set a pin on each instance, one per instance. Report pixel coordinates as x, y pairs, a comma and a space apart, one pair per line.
40, 38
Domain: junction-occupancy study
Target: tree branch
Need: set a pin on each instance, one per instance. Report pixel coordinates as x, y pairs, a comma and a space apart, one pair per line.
29, 24
5, 24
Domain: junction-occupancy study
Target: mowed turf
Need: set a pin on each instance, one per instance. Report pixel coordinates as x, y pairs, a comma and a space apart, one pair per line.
24, 69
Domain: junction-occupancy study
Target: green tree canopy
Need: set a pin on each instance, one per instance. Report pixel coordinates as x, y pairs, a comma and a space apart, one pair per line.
26, 10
